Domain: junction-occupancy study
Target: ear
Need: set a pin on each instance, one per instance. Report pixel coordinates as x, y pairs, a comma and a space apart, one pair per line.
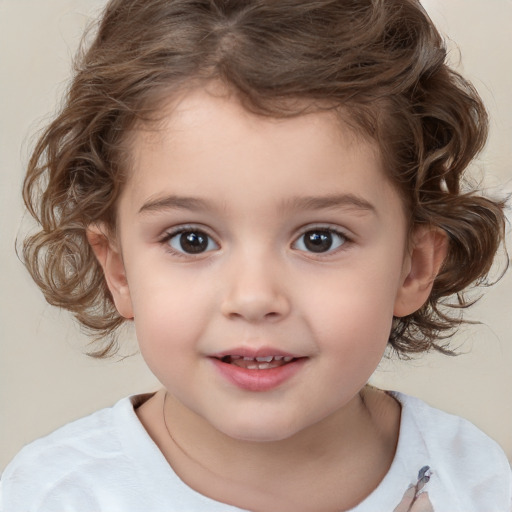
110, 259
428, 251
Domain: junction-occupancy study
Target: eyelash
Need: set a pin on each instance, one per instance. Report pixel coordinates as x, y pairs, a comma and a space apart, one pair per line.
344, 240
166, 239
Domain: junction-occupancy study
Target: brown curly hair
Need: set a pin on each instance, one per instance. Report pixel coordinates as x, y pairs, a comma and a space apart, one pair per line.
382, 61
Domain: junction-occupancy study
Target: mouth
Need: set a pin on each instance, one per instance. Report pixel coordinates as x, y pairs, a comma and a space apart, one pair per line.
257, 363
258, 372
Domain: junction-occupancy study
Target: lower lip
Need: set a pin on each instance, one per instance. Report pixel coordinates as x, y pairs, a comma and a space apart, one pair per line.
258, 380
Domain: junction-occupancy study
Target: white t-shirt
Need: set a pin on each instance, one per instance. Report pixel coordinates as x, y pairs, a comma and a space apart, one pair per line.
107, 462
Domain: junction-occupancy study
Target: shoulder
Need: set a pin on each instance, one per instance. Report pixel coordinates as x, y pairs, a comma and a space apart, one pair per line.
443, 430
461, 456
106, 461
74, 452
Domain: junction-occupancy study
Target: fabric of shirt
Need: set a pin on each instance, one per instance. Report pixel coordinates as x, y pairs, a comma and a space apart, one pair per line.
107, 462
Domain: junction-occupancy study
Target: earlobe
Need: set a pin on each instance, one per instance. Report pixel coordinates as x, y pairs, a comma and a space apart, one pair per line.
429, 248
109, 256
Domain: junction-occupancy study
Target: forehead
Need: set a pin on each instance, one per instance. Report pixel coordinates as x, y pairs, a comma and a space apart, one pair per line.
214, 116
207, 143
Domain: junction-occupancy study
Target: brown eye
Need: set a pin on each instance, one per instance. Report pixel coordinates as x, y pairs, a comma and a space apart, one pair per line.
192, 242
320, 240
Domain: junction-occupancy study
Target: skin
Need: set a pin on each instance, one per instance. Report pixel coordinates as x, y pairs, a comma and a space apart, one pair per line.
259, 185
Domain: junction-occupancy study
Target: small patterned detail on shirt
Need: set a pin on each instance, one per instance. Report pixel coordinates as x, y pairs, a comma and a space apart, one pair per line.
415, 499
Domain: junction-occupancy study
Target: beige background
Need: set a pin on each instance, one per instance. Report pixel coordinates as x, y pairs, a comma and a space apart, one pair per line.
45, 380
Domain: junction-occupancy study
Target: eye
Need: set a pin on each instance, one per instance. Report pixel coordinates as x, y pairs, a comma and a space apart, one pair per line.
320, 240
191, 241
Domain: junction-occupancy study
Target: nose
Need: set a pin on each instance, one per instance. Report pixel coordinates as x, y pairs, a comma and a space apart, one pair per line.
255, 292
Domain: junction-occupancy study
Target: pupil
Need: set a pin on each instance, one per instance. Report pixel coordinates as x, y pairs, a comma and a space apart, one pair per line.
318, 241
193, 242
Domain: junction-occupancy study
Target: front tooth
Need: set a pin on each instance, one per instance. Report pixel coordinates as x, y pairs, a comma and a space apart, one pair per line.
278, 358
253, 367
264, 366
266, 359
287, 359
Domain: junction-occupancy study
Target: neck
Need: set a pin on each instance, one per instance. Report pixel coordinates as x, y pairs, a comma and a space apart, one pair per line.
355, 445
201, 442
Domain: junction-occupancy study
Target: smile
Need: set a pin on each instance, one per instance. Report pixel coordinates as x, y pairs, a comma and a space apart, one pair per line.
252, 372
257, 363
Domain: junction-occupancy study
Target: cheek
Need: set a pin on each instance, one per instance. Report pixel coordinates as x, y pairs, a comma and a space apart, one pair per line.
166, 338
355, 339
355, 317
356, 326
166, 292
167, 311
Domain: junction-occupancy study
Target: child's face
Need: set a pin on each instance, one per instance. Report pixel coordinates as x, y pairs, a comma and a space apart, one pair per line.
247, 236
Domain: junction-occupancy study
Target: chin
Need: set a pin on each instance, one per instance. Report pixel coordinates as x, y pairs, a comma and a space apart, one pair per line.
258, 431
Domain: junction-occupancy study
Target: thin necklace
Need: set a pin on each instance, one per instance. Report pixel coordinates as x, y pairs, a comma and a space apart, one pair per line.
182, 450
167, 427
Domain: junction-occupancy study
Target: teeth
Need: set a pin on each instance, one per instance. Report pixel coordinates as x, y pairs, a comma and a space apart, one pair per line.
257, 363
259, 366
266, 359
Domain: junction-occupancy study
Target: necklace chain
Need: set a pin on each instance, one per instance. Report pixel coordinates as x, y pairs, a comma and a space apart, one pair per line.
178, 446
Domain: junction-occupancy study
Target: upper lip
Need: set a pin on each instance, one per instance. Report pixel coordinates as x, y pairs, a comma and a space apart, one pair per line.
253, 353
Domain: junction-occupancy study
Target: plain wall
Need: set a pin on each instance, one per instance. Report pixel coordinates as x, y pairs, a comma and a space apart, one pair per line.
45, 380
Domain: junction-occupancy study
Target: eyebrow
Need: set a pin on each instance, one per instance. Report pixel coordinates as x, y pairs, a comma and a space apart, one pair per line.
172, 202
330, 201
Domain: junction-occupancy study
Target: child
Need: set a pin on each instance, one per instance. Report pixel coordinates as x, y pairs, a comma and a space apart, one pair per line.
272, 193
